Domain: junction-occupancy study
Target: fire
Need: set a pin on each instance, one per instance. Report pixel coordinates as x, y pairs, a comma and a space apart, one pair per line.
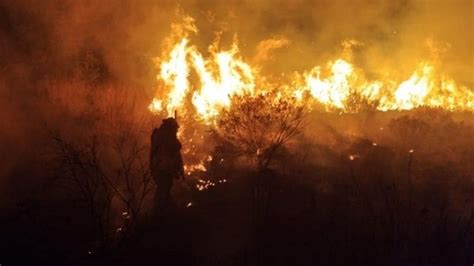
220, 76
334, 90
229, 76
175, 74
202, 86
424, 89
411, 93
156, 105
189, 169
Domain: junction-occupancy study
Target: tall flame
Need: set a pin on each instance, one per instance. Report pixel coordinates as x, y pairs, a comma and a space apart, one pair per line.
222, 75
174, 73
424, 89
225, 73
229, 76
334, 90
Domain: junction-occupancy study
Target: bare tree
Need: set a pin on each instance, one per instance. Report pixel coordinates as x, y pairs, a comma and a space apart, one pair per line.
81, 173
107, 166
258, 126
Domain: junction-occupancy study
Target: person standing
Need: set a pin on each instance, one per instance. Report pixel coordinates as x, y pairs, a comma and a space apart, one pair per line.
166, 163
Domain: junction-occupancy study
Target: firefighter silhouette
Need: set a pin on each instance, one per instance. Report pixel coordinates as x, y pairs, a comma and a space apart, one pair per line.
166, 162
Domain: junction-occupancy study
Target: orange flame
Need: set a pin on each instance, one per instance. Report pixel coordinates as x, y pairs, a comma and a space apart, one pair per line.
225, 73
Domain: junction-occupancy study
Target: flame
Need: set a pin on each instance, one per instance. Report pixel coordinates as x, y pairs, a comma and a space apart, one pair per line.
338, 86
424, 89
174, 73
220, 76
191, 168
411, 93
231, 76
156, 105
200, 85
334, 90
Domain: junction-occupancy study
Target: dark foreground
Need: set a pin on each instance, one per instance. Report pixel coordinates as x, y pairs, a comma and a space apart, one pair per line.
318, 205
281, 224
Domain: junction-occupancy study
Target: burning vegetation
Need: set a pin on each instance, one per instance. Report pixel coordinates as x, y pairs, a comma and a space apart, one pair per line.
311, 133
255, 114
335, 86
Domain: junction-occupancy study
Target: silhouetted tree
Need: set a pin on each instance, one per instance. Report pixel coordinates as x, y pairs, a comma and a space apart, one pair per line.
107, 166
258, 126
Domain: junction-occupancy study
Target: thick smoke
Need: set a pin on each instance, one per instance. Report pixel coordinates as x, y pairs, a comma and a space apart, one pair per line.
114, 41
48, 38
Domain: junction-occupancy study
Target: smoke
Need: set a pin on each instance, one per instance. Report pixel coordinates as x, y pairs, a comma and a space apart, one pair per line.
115, 41
50, 38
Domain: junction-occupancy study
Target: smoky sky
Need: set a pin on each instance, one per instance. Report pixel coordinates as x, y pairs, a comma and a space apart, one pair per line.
46, 38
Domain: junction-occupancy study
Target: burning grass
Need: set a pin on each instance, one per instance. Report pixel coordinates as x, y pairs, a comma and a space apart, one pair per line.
338, 86
326, 165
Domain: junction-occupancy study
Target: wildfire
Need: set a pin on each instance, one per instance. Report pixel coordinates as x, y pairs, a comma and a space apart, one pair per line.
222, 75
340, 86
333, 90
201, 86
424, 89
174, 73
